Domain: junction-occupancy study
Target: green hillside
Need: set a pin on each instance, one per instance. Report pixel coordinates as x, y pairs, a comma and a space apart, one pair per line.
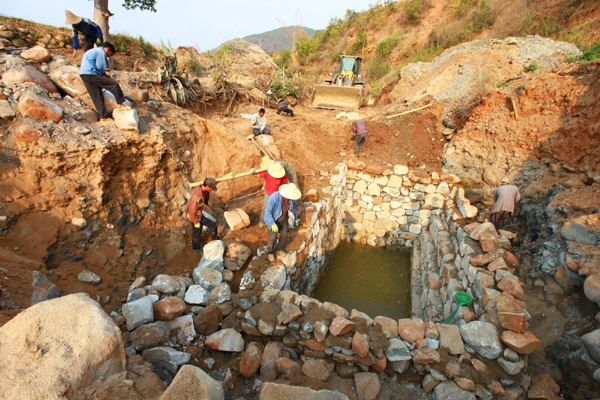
278, 39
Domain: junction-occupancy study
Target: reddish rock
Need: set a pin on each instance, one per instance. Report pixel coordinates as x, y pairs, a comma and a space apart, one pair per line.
410, 329
314, 345
40, 108
334, 308
389, 326
320, 330
434, 281
429, 383
480, 260
367, 386
450, 339
488, 244
426, 355
471, 227
250, 362
380, 365
27, 133
268, 370
497, 264
28, 73
496, 388
368, 360
228, 340
510, 259
340, 326
464, 383
149, 335
286, 368
358, 315
289, 313
168, 309
338, 341
316, 369
484, 230
360, 344
343, 358
431, 331
37, 54
421, 342
507, 303
522, 343
516, 322
237, 219
488, 377
512, 286
208, 321
544, 387
488, 294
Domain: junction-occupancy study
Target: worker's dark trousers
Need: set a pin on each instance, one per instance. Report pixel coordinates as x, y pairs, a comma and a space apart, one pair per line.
89, 42
360, 140
257, 131
496, 217
283, 231
94, 85
197, 232
286, 110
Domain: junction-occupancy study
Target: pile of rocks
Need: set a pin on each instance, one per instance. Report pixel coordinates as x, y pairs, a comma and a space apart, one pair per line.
21, 37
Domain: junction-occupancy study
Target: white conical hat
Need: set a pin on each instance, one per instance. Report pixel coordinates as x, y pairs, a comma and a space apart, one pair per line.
290, 191
276, 170
72, 19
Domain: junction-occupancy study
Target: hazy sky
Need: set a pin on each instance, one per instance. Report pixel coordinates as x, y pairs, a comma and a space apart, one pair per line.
201, 23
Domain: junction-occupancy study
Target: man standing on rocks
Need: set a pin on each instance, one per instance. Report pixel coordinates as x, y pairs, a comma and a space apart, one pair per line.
359, 128
198, 199
281, 215
94, 77
274, 178
505, 197
92, 34
259, 123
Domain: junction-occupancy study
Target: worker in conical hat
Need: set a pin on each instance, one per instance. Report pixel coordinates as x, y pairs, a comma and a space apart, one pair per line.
92, 34
280, 215
274, 178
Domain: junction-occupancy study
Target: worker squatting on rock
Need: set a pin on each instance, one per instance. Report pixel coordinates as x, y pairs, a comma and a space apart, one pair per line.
282, 107
505, 197
94, 77
199, 199
259, 123
359, 128
274, 178
280, 215
92, 34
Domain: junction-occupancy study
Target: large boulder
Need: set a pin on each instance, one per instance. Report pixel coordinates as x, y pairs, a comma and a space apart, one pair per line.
483, 337
58, 346
276, 391
212, 255
448, 390
40, 108
226, 340
37, 54
191, 383
236, 256
19, 74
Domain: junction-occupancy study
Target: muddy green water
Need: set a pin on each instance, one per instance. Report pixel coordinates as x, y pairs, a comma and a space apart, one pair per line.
370, 279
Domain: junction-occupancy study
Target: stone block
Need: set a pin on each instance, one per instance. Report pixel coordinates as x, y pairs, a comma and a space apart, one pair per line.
400, 170
522, 343
40, 108
212, 254
450, 339
389, 326
360, 187
193, 383
237, 219
28, 73
6, 111
138, 312
483, 338
228, 340
367, 386
276, 391
395, 181
149, 335
168, 309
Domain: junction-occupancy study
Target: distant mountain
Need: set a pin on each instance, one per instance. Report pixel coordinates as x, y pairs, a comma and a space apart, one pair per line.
277, 39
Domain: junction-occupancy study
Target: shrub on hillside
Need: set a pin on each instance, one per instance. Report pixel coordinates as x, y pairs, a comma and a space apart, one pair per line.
284, 59
379, 68
281, 90
385, 48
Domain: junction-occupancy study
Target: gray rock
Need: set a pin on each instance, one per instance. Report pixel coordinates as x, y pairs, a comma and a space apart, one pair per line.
196, 294
448, 390
244, 304
483, 338
138, 312
166, 284
136, 294
150, 335
591, 341
192, 379
397, 351
6, 111
212, 255
236, 256
43, 289
166, 358
221, 293
307, 327
88, 277
511, 355
276, 391
207, 278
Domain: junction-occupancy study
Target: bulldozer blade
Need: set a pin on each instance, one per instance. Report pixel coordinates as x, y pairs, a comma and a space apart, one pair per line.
337, 97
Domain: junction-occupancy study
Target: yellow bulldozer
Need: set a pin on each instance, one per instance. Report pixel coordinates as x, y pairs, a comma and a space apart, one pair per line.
342, 90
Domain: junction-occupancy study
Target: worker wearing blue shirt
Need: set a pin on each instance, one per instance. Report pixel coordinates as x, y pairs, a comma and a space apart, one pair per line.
94, 76
92, 34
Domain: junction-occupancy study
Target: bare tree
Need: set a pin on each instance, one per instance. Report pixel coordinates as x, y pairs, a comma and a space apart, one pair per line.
102, 13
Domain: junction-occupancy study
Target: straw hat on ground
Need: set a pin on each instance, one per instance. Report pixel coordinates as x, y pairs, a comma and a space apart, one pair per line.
290, 191
276, 170
72, 19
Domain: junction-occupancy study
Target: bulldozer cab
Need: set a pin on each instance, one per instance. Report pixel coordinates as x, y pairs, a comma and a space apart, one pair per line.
350, 66
343, 89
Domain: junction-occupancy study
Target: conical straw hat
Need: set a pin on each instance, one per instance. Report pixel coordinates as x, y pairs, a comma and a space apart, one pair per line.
72, 19
290, 191
276, 170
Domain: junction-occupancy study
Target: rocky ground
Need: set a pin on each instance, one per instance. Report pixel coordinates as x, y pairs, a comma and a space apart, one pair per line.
78, 196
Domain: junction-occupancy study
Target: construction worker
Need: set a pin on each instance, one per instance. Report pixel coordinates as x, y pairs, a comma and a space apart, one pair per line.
92, 34
259, 123
359, 128
274, 178
198, 199
282, 107
281, 215
505, 197
94, 77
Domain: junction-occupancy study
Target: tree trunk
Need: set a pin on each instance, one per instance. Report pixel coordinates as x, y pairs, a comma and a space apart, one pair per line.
101, 15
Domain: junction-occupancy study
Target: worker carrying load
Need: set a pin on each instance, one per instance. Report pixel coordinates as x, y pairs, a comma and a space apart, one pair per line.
280, 215
92, 34
196, 215
274, 178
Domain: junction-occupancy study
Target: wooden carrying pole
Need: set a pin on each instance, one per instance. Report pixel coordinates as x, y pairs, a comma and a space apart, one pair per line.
230, 177
408, 112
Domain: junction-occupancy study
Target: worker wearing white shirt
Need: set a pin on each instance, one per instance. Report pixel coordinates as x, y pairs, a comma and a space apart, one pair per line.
259, 123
